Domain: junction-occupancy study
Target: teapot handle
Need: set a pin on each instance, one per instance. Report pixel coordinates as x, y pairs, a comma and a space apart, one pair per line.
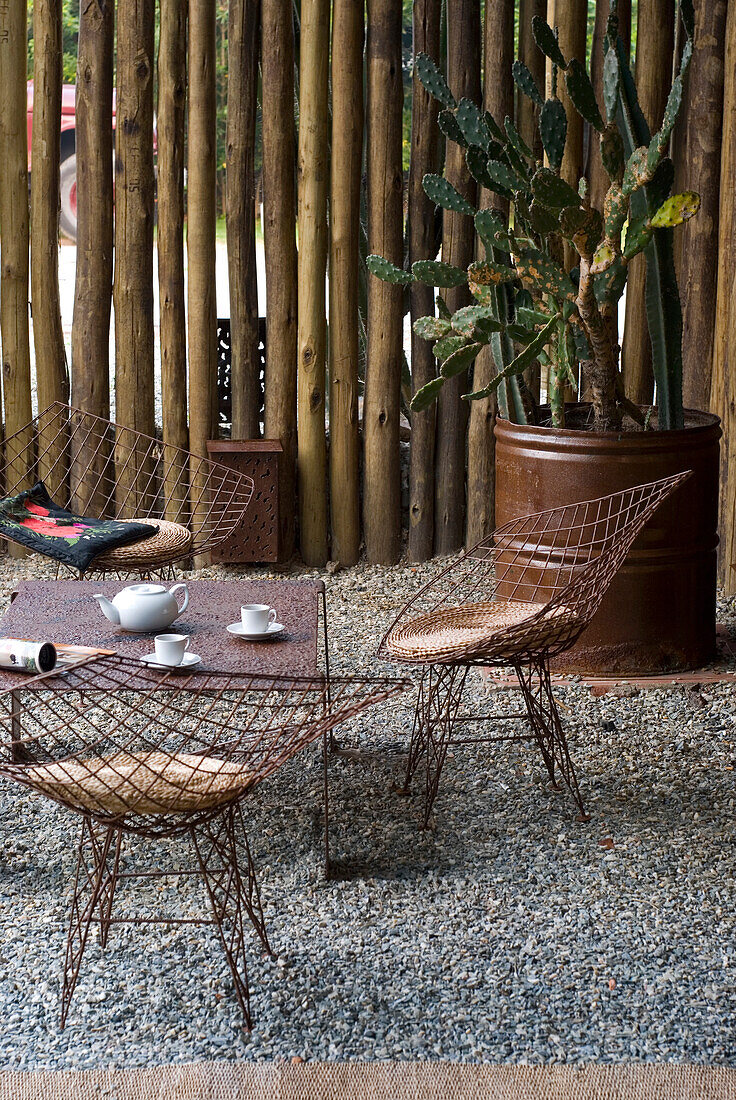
175, 588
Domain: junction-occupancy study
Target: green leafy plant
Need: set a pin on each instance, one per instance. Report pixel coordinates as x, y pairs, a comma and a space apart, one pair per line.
529, 306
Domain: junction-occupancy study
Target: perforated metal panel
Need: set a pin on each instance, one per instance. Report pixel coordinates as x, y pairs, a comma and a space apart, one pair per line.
256, 539
224, 370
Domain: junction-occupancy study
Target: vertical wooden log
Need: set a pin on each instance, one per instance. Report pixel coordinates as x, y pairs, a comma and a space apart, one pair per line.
347, 150
279, 236
458, 242
16, 357
533, 58
381, 487
201, 225
172, 94
134, 198
655, 41
240, 209
698, 167
498, 98
312, 262
90, 379
94, 153
723, 389
570, 17
596, 173
52, 375
424, 142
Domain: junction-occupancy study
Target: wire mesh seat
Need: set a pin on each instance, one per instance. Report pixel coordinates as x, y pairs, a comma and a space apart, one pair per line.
93, 467
520, 597
138, 752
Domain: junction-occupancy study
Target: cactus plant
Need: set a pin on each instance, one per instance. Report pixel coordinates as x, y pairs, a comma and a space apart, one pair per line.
528, 306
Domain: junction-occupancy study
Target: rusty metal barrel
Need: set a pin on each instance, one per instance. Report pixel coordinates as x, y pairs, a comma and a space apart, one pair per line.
659, 614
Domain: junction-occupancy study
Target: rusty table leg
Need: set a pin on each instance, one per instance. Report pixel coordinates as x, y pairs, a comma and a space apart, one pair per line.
18, 750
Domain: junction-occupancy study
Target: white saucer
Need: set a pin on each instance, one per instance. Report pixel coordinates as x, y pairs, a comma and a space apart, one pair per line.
191, 660
274, 629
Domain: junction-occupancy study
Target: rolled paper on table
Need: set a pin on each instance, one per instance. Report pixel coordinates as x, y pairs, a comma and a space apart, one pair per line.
22, 655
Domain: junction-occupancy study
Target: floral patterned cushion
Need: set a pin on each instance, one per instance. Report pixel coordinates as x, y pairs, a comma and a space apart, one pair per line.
34, 520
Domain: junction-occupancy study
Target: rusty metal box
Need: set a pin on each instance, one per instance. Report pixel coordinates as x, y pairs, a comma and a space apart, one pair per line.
256, 538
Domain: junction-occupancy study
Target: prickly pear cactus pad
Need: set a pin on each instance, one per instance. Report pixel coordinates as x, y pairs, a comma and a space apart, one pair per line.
528, 306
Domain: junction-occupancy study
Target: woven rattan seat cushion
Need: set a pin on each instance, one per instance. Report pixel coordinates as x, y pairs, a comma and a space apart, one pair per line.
478, 630
143, 782
171, 541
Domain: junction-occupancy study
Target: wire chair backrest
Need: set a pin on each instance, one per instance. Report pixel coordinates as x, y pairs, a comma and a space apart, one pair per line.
118, 739
563, 557
568, 556
97, 468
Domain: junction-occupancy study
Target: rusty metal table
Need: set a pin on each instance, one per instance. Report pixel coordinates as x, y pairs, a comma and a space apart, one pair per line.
64, 611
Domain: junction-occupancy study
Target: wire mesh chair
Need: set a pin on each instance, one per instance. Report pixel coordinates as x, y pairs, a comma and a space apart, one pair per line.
521, 596
135, 751
93, 467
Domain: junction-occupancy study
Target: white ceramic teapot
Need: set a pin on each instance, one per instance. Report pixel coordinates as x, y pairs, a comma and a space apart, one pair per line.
143, 608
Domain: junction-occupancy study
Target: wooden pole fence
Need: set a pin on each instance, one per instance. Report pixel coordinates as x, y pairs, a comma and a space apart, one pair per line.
134, 200
242, 42
279, 240
427, 17
347, 148
172, 95
458, 246
655, 41
14, 226
381, 482
312, 266
201, 228
498, 98
315, 92
52, 374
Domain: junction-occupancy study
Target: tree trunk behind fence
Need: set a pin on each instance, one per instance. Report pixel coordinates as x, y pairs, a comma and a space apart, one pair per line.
201, 226
134, 200
381, 484
242, 45
52, 375
312, 332
347, 150
424, 141
595, 172
698, 167
279, 236
723, 393
458, 242
172, 95
16, 358
498, 98
654, 47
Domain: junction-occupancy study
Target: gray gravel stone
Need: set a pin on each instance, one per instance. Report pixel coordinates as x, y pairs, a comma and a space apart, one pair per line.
507, 932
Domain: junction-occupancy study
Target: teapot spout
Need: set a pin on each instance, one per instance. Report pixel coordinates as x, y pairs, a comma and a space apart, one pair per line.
109, 610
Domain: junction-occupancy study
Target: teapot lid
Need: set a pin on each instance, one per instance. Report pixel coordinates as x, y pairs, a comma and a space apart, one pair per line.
145, 589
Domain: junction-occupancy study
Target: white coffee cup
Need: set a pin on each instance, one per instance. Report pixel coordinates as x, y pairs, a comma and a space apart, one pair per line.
170, 648
257, 617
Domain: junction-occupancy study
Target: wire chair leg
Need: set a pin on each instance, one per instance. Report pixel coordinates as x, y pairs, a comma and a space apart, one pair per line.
94, 884
107, 891
219, 845
438, 702
536, 685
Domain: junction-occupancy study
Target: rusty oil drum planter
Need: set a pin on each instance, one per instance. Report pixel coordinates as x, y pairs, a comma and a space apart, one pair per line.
659, 614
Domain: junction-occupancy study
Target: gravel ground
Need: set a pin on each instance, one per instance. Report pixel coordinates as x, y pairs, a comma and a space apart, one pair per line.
508, 932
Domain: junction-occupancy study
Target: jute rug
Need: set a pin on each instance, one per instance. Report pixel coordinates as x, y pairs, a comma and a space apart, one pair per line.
375, 1081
